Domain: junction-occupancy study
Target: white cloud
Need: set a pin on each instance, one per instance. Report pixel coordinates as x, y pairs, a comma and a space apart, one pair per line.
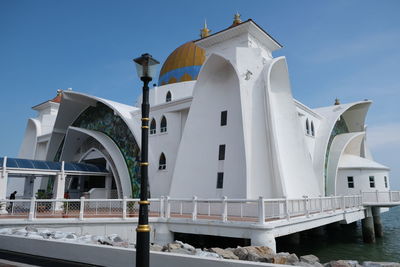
384, 135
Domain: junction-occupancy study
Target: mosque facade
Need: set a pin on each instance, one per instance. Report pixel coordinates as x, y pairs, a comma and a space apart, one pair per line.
223, 122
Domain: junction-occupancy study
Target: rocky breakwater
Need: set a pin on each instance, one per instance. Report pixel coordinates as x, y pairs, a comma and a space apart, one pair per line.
264, 254
250, 253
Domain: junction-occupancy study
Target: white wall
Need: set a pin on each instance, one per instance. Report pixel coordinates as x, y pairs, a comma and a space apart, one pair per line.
167, 143
361, 180
216, 90
305, 113
157, 94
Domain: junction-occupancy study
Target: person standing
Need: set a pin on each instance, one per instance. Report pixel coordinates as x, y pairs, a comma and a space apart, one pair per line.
12, 196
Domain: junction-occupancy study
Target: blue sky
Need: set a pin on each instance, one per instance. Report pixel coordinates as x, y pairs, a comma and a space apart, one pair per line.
345, 48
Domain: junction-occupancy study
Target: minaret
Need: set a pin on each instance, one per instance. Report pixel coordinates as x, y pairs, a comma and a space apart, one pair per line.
205, 31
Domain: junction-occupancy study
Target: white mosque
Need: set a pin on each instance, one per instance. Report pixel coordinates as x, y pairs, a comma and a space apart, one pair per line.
223, 122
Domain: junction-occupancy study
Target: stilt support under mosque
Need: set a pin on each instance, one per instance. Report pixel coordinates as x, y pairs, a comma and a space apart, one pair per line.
162, 234
368, 229
378, 227
263, 238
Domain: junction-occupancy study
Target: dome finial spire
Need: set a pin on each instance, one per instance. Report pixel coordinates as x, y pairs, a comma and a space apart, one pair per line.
205, 31
236, 19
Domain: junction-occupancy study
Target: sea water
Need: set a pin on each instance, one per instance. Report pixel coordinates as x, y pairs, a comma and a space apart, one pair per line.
347, 243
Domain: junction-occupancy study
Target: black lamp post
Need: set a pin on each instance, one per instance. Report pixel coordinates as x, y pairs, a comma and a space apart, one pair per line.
146, 67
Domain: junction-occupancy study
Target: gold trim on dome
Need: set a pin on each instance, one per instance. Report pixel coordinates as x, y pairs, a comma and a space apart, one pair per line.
186, 77
188, 54
173, 80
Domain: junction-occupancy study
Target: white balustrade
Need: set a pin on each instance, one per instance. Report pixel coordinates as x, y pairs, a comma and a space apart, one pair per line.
242, 210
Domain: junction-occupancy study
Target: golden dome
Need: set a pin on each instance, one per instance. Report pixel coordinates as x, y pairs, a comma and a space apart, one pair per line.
183, 64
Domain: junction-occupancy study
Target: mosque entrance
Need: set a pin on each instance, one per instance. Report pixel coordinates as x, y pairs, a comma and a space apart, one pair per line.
94, 187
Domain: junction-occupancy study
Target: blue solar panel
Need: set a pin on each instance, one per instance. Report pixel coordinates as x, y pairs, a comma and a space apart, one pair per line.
41, 165
53, 165
12, 163
93, 168
25, 163
50, 165
69, 167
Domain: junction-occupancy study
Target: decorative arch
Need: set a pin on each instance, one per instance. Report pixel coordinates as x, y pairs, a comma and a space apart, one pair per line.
163, 125
162, 163
113, 167
350, 141
153, 126
345, 118
102, 119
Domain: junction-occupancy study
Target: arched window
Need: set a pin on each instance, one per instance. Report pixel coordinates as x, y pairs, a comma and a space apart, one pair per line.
312, 129
153, 126
168, 98
162, 164
163, 125
307, 127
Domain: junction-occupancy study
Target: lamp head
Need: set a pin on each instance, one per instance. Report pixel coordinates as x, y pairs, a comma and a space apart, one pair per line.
146, 66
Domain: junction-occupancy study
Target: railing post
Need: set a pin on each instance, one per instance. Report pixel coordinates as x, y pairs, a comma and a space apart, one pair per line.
321, 204
390, 196
287, 214
261, 210
194, 212
82, 208
162, 214
225, 209
168, 208
124, 207
306, 210
343, 203
333, 203
377, 196
32, 208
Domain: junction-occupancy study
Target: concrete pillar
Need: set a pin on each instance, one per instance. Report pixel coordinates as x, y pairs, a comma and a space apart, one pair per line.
3, 192
263, 238
376, 215
162, 235
81, 184
28, 186
59, 189
108, 185
368, 230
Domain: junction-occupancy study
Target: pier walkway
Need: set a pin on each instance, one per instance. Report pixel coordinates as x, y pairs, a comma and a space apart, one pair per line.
260, 220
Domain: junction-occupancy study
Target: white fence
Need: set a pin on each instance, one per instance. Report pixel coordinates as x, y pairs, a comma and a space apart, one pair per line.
381, 197
247, 210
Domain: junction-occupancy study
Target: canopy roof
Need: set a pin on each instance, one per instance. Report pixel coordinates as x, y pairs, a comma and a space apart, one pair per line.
351, 161
16, 163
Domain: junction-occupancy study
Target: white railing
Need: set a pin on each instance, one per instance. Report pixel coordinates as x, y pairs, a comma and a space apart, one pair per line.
381, 196
219, 209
